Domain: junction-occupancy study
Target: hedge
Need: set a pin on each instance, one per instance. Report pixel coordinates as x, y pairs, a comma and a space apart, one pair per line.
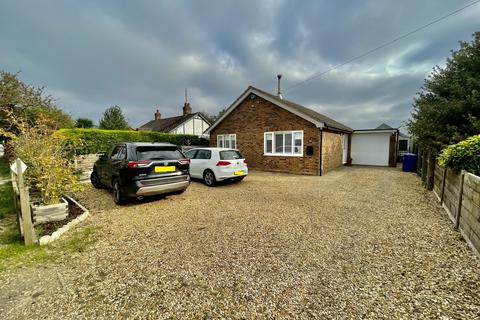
97, 140
464, 155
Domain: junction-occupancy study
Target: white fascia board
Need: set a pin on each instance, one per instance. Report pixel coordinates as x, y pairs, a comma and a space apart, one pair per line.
375, 131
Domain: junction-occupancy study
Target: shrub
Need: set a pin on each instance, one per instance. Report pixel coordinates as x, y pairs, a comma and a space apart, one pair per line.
98, 140
49, 170
464, 155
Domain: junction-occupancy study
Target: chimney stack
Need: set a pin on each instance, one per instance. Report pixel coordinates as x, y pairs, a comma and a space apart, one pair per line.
158, 115
187, 109
186, 106
279, 92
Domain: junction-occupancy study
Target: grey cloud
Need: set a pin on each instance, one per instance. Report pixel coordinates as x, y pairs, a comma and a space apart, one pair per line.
141, 55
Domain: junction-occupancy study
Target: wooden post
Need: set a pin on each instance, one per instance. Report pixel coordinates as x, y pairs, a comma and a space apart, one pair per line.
419, 161
444, 178
424, 168
430, 170
459, 202
28, 232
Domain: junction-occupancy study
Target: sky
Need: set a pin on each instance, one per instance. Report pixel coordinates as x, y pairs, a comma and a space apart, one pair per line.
141, 55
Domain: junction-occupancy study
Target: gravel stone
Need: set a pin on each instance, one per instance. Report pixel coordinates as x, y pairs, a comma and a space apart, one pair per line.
355, 243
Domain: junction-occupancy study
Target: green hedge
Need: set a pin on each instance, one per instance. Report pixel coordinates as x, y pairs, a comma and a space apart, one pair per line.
96, 140
464, 155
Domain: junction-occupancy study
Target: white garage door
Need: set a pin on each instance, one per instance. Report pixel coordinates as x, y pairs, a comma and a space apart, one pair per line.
370, 148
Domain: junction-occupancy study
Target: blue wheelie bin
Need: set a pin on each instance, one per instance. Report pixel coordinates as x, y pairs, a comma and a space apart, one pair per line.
409, 163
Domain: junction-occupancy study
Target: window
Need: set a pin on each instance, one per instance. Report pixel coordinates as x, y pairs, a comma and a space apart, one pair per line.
220, 141
284, 143
268, 142
230, 155
402, 145
158, 153
119, 153
203, 154
191, 153
227, 141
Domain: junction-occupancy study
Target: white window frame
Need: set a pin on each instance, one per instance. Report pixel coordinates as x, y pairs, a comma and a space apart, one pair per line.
225, 138
283, 154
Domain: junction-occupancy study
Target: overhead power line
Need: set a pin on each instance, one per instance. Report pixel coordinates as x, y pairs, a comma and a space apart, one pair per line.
318, 75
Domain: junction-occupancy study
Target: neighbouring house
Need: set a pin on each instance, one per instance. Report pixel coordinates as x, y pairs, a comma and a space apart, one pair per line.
187, 123
275, 134
405, 145
375, 147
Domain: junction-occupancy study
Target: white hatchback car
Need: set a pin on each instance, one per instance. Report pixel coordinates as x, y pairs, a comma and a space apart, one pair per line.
217, 164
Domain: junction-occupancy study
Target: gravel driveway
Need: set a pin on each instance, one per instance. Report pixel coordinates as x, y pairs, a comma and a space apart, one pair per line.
355, 243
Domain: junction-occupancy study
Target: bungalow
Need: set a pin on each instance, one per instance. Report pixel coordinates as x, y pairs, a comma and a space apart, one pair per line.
275, 134
187, 123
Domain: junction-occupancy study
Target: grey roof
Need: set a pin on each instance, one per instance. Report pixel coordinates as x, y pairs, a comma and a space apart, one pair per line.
168, 124
384, 126
329, 122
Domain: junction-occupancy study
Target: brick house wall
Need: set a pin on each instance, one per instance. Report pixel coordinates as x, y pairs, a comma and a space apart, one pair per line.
252, 118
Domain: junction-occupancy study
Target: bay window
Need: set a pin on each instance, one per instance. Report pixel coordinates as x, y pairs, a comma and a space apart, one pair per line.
283, 143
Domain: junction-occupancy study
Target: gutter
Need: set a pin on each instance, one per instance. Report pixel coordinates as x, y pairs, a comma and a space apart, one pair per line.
337, 129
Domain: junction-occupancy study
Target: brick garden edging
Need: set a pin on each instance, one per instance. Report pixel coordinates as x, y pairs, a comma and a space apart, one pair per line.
59, 232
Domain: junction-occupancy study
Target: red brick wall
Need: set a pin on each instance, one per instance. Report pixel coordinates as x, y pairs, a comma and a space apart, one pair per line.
251, 119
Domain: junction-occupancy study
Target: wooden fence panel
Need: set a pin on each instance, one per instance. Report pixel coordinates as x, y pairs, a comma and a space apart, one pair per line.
463, 192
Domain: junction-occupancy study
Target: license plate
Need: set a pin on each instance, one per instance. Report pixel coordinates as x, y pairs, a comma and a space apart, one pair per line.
238, 173
165, 169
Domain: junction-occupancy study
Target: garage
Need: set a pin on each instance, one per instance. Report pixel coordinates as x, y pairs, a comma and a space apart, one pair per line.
374, 147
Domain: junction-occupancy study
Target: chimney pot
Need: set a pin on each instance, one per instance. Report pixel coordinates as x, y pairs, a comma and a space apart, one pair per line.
158, 115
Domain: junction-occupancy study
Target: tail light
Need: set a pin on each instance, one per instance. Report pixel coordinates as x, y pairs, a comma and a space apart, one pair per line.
138, 164
245, 161
184, 161
223, 163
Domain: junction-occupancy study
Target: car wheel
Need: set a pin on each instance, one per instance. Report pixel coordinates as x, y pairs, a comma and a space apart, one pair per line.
209, 178
95, 180
118, 197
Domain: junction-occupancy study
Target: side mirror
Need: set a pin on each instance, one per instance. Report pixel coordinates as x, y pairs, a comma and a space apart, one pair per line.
102, 157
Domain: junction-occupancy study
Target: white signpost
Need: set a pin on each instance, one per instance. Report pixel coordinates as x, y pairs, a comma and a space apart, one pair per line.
24, 212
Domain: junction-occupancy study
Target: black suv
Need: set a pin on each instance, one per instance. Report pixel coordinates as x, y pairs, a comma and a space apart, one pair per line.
135, 170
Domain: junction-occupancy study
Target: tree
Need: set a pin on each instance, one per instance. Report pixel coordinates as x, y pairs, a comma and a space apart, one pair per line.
113, 119
213, 118
447, 110
84, 123
28, 102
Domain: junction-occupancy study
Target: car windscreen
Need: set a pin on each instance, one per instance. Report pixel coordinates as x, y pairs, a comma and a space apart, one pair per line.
230, 155
158, 153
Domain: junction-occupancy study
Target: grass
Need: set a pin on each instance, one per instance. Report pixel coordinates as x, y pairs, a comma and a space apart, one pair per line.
4, 169
6, 201
14, 254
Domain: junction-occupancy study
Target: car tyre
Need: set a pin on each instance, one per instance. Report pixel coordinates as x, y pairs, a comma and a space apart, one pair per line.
209, 178
95, 180
118, 196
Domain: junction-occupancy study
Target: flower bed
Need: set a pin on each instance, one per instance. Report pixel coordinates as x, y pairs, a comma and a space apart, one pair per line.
51, 231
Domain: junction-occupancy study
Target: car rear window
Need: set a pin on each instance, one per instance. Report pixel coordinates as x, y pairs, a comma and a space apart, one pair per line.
230, 155
158, 153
